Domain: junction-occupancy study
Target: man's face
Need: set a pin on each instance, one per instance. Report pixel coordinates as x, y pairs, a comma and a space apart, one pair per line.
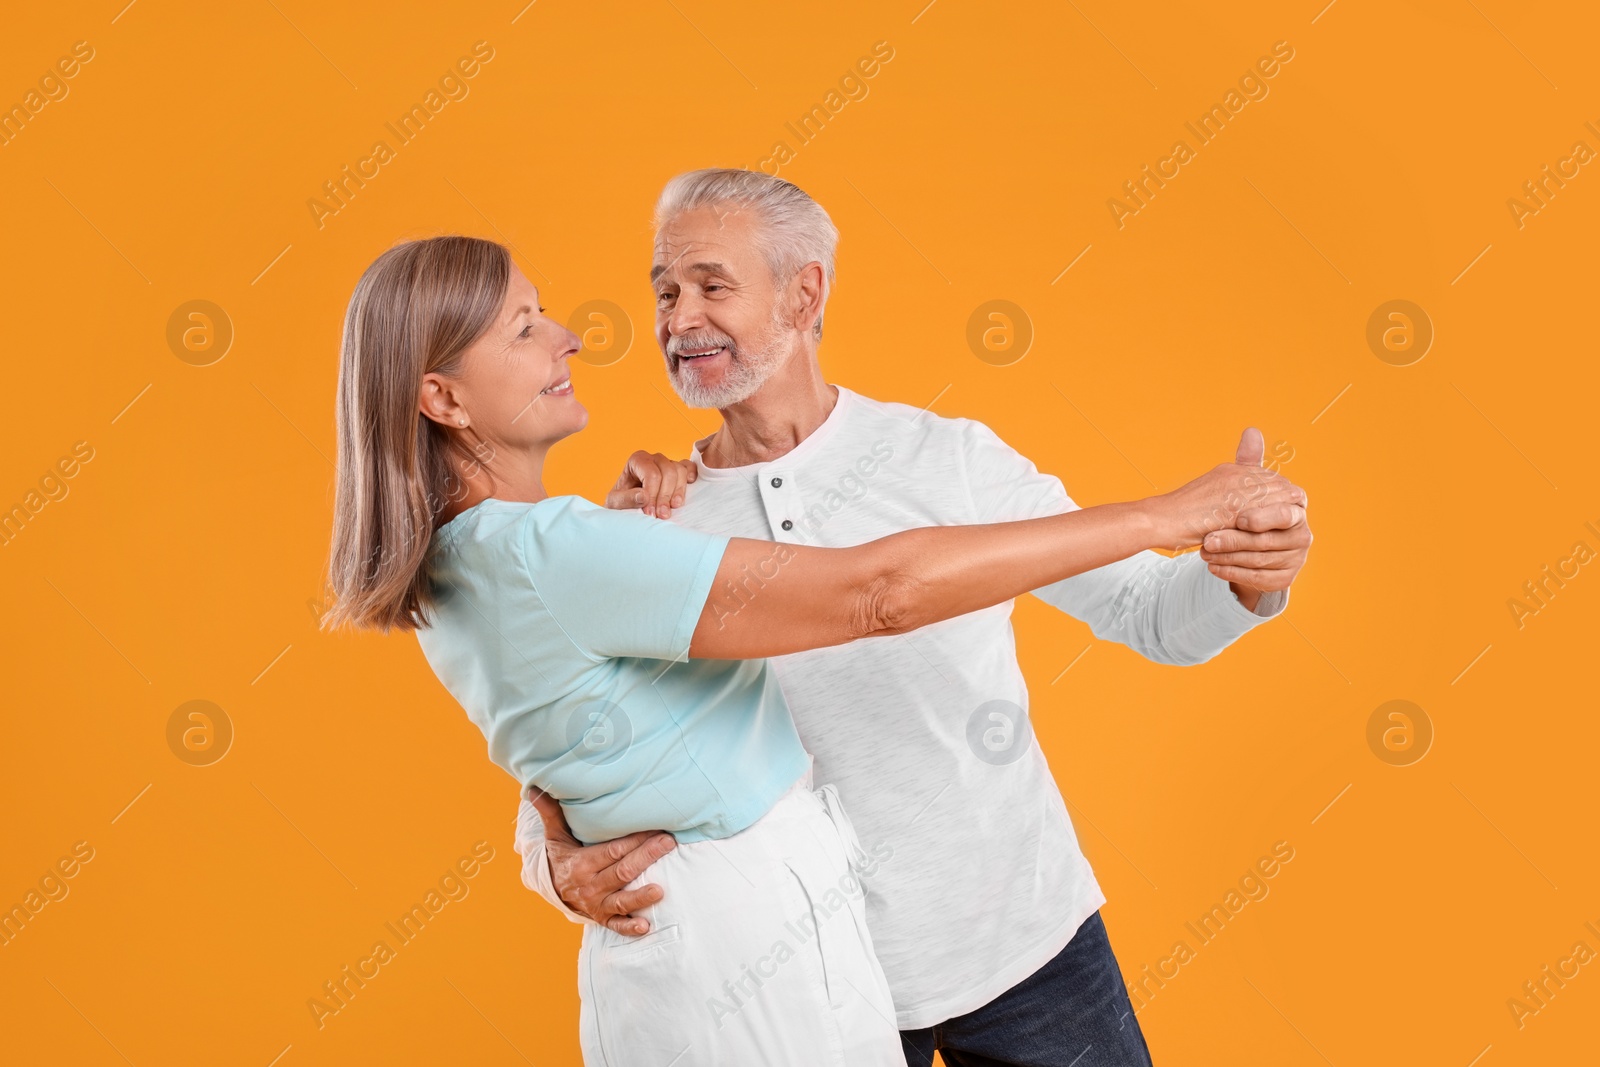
718, 312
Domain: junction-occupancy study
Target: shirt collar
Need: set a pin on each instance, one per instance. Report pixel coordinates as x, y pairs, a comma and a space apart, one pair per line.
799, 453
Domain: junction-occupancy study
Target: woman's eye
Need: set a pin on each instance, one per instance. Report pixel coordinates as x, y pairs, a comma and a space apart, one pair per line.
526, 330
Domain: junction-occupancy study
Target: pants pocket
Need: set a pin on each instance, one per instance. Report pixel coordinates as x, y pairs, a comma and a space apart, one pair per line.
849, 981
810, 927
613, 945
832, 910
633, 996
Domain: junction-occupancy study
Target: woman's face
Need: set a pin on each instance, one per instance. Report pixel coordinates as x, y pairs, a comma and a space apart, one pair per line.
515, 386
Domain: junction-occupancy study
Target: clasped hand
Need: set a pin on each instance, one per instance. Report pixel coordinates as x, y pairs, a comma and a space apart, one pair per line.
1260, 542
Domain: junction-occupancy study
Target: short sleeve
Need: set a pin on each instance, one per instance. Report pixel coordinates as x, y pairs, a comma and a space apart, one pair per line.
620, 583
1004, 484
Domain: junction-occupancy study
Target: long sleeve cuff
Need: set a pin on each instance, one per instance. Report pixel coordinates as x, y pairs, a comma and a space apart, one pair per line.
1203, 615
1272, 603
1219, 602
1269, 606
529, 845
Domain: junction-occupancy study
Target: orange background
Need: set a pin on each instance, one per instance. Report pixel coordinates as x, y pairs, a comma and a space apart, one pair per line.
185, 561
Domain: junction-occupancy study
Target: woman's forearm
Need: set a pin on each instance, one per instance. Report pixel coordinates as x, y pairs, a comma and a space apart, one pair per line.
770, 599
929, 575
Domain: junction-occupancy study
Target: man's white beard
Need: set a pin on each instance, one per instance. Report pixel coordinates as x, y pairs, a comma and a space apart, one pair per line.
747, 370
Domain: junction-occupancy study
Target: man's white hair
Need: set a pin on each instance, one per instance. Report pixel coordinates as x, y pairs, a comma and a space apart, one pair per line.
793, 229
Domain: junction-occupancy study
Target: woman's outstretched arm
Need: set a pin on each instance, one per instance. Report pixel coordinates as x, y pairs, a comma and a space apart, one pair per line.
769, 599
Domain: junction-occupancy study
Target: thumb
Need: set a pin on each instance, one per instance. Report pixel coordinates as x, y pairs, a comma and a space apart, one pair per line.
629, 478
1252, 448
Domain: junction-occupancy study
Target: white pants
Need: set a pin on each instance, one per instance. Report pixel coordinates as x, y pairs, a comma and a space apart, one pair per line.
757, 955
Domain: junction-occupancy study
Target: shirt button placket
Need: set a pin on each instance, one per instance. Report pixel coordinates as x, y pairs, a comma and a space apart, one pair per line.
780, 500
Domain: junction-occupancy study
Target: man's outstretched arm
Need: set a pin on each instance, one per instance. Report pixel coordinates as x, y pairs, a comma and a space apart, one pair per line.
1179, 610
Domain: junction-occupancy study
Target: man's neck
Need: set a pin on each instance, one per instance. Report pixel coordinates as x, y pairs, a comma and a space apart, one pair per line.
786, 410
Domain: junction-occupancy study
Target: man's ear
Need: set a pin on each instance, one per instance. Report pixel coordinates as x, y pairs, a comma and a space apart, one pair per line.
805, 297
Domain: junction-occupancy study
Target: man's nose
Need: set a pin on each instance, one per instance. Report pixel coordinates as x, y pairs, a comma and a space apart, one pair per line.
687, 314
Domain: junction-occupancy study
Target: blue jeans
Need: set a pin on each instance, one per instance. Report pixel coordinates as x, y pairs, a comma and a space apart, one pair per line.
1072, 1012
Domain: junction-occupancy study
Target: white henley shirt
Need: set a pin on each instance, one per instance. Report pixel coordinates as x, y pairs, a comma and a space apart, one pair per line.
976, 879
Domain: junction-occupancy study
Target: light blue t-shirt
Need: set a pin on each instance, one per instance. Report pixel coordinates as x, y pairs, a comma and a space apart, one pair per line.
563, 630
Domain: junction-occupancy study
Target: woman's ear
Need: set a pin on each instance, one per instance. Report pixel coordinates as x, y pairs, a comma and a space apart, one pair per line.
437, 401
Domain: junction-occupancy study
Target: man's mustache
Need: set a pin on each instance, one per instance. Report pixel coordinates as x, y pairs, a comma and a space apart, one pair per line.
681, 343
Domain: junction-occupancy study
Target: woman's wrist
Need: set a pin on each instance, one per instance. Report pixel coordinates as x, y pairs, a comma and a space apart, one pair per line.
1152, 522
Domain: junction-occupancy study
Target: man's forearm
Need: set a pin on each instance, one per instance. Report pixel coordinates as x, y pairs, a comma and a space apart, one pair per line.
1168, 609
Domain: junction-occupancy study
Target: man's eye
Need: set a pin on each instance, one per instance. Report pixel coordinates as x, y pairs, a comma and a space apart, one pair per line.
713, 288
662, 298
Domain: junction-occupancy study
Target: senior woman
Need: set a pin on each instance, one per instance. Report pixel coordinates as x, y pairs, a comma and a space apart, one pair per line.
613, 660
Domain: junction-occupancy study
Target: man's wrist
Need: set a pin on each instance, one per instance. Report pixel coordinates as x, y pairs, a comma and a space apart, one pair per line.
544, 883
1268, 604
1248, 596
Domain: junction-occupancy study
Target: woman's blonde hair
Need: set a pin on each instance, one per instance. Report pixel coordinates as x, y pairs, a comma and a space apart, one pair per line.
416, 309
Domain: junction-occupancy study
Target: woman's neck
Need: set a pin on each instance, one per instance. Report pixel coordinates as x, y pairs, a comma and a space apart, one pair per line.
502, 474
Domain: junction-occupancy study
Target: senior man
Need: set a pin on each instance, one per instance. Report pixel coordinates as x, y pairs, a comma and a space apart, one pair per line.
981, 906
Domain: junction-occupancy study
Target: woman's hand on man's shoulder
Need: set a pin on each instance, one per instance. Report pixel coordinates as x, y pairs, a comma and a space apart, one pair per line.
653, 483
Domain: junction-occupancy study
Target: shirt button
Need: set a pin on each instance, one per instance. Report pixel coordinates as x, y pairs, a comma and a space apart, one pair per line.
777, 483
787, 524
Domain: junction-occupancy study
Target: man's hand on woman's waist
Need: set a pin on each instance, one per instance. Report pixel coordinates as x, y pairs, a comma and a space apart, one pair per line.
591, 879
